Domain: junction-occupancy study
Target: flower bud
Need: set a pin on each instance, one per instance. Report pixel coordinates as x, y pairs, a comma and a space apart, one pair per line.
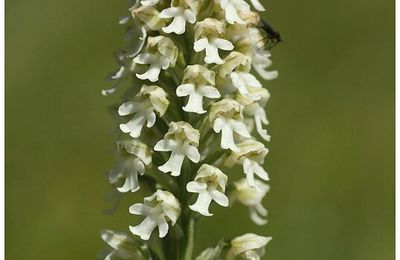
249, 246
121, 246
149, 16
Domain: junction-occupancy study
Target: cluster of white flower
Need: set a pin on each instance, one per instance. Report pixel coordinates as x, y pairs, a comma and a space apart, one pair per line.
195, 91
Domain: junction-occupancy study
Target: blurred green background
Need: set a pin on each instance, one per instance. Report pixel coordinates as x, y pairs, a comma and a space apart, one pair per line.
331, 114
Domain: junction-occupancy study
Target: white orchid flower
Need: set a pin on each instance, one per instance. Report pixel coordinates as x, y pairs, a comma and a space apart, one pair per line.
158, 209
149, 100
249, 246
180, 11
260, 62
156, 62
207, 37
210, 184
211, 47
133, 156
246, 38
251, 155
254, 105
243, 81
121, 245
198, 82
162, 55
226, 118
182, 141
149, 16
260, 119
252, 199
234, 61
236, 68
232, 9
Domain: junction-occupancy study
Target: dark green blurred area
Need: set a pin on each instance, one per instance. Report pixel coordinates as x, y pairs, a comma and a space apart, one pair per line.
332, 123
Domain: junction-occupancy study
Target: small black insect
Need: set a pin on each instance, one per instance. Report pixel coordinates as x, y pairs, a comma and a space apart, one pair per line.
273, 37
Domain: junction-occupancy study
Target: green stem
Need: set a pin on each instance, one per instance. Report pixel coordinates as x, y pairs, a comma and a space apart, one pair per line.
188, 252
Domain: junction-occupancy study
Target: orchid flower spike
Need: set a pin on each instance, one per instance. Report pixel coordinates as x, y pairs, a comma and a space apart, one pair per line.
193, 107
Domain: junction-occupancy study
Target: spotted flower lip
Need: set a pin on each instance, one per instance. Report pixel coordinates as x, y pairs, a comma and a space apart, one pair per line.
210, 184
182, 141
159, 209
150, 99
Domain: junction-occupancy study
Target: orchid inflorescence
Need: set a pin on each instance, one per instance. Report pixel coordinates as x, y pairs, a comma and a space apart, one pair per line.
193, 110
